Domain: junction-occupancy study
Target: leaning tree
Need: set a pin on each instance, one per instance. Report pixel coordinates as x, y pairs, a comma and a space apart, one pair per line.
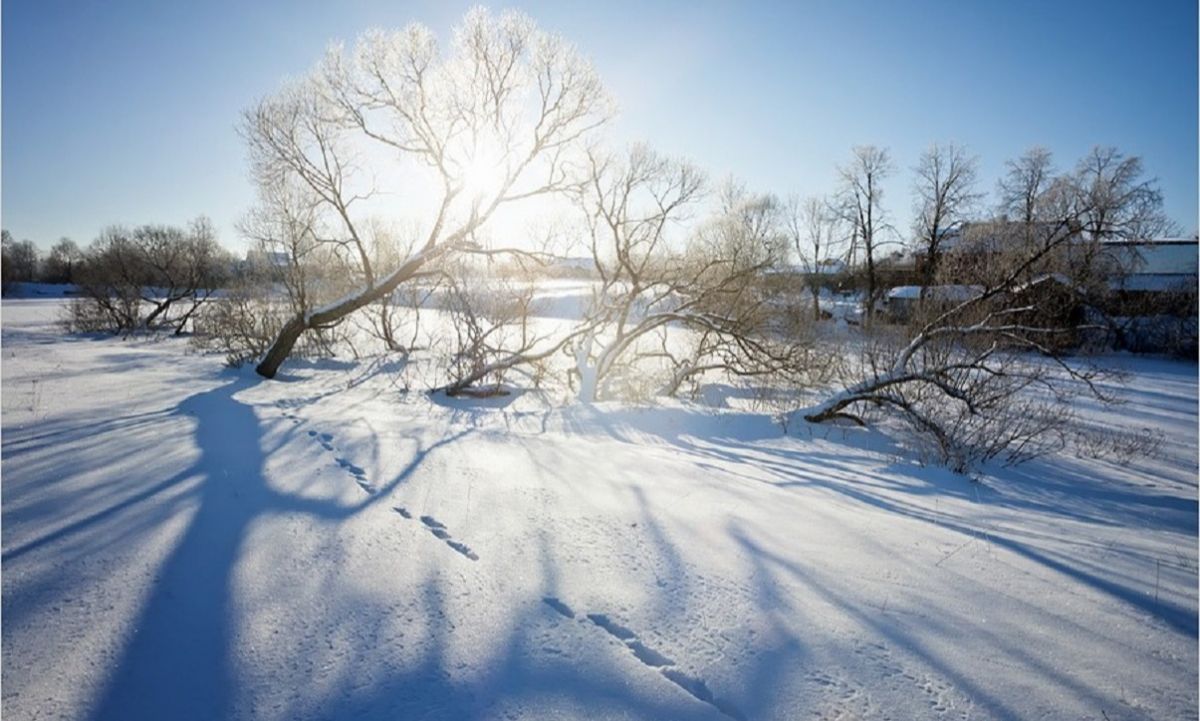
495, 118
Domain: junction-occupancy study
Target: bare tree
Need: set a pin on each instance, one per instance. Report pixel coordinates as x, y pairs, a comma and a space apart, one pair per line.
706, 284
160, 268
961, 375
1120, 204
815, 230
60, 264
494, 121
860, 202
20, 260
1022, 191
748, 225
945, 193
490, 318
283, 230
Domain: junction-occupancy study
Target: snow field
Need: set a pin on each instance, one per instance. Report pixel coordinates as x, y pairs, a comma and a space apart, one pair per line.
186, 541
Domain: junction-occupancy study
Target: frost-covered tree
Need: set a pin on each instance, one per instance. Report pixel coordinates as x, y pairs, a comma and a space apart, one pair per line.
493, 118
1119, 203
1023, 191
984, 376
656, 274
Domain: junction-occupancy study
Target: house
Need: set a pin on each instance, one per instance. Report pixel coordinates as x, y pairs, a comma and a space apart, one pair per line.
901, 303
266, 259
1153, 277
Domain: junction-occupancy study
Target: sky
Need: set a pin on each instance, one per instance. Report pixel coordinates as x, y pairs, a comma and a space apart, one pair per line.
123, 111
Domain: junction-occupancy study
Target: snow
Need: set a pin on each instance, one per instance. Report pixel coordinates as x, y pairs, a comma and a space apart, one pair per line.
186, 541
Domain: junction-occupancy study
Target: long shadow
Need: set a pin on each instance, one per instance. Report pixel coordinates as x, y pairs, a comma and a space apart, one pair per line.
177, 662
1067, 495
93, 518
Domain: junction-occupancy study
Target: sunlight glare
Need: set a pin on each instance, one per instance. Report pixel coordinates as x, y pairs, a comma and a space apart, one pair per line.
484, 170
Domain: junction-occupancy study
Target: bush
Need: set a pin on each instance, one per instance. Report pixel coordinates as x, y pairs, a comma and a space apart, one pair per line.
245, 321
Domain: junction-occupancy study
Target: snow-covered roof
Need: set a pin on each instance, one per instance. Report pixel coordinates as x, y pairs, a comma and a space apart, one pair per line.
936, 292
1044, 278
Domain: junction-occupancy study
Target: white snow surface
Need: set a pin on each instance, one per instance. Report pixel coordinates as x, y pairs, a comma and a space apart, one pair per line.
184, 541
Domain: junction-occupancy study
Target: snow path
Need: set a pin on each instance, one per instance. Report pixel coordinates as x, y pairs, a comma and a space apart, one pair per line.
183, 541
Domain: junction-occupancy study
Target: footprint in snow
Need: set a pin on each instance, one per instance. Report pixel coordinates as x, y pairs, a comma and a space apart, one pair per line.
356, 472
693, 685
559, 607
438, 529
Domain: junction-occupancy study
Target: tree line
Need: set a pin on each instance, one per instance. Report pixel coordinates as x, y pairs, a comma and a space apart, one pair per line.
23, 262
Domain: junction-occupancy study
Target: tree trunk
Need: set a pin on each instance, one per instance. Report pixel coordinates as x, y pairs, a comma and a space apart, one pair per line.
159, 309
294, 328
282, 347
869, 306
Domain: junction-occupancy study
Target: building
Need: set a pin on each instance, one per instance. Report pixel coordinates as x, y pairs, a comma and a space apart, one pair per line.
1153, 277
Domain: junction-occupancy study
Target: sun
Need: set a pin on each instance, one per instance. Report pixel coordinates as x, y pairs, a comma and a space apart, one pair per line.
484, 169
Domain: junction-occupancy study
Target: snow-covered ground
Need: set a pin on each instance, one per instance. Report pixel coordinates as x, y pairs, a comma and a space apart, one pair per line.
183, 541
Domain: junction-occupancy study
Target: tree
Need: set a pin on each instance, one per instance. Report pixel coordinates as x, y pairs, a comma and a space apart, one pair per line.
959, 376
20, 260
60, 264
815, 232
1119, 203
490, 322
945, 193
707, 285
493, 122
7, 270
161, 268
1022, 191
860, 204
749, 225
984, 376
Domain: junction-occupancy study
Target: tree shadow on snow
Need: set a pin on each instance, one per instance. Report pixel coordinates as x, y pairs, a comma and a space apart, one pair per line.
176, 663
184, 654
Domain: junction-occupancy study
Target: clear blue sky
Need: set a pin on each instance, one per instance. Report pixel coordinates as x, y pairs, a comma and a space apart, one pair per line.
125, 111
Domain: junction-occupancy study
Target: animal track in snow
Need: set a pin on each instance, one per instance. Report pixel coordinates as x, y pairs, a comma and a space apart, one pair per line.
559, 607
652, 659
326, 440
438, 529
284, 406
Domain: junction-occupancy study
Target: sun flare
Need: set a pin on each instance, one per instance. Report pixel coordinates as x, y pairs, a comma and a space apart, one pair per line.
484, 169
